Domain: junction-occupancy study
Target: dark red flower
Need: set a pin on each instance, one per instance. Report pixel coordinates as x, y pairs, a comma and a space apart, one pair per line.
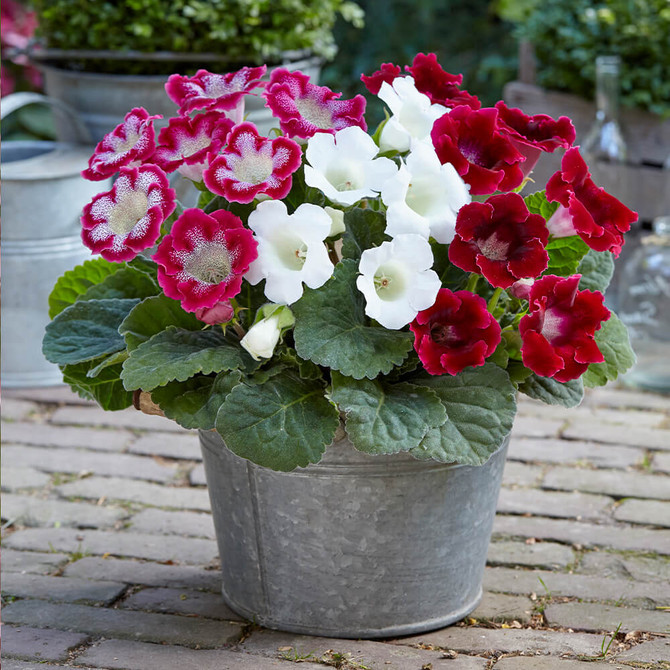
481, 154
455, 333
202, 260
597, 217
557, 332
441, 87
532, 135
500, 239
387, 73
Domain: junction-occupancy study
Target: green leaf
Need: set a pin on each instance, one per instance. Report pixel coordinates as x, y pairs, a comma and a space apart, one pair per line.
548, 390
481, 406
118, 357
331, 330
195, 402
386, 418
282, 424
249, 299
154, 315
537, 204
74, 283
596, 268
177, 354
613, 341
106, 388
86, 330
365, 229
565, 254
451, 276
125, 283
145, 265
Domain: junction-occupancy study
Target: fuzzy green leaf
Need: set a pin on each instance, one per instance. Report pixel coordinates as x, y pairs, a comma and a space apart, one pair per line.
331, 330
86, 330
154, 315
282, 424
537, 204
613, 341
365, 229
481, 406
386, 418
548, 390
565, 254
106, 387
74, 283
596, 268
125, 283
177, 354
196, 402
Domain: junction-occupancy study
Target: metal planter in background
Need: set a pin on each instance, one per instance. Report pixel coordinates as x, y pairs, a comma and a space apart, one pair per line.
356, 546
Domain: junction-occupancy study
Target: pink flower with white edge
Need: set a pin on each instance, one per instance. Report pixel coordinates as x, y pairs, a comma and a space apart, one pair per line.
202, 260
209, 91
186, 144
304, 109
252, 164
127, 219
130, 143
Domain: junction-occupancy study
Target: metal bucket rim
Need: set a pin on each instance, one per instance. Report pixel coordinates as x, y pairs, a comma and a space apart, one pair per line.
12, 170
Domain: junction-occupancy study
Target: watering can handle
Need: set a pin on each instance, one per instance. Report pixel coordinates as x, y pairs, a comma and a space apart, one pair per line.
16, 101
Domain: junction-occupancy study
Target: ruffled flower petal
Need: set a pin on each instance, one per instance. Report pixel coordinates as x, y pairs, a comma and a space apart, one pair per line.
252, 164
130, 143
202, 260
125, 220
387, 73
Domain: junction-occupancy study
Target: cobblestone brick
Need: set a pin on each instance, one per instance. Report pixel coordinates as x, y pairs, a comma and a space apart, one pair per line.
624, 399
546, 663
185, 446
47, 435
574, 451
132, 571
653, 651
174, 523
520, 474
554, 504
597, 617
648, 512
147, 493
53, 395
128, 418
536, 555
99, 542
30, 511
17, 479
124, 624
17, 410
584, 534
600, 431
78, 460
661, 462
61, 589
15, 664
31, 561
640, 568
197, 476
31, 643
181, 601
500, 607
535, 426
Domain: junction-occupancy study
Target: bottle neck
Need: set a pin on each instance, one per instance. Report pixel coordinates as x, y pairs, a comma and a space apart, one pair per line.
607, 88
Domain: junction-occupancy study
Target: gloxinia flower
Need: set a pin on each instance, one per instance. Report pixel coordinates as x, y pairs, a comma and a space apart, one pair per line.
424, 196
291, 249
202, 260
187, 143
387, 73
206, 90
500, 239
262, 338
456, 332
130, 143
304, 109
413, 114
440, 86
125, 220
222, 312
557, 332
482, 155
597, 217
345, 165
397, 281
532, 135
253, 164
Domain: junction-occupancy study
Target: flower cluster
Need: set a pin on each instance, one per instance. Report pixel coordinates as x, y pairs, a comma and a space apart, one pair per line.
326, 252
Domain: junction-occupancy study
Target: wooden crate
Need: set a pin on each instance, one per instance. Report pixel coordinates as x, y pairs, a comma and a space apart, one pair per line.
642, 185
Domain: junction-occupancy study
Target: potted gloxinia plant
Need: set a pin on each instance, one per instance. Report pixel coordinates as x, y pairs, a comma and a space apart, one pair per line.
347, 318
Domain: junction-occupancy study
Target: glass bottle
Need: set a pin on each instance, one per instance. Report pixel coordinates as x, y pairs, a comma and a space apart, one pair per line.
645, 308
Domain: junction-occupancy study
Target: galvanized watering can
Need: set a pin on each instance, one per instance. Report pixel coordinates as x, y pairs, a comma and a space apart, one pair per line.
43, 194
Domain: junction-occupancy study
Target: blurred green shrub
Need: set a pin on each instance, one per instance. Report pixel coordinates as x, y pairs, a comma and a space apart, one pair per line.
567, 37
244, 32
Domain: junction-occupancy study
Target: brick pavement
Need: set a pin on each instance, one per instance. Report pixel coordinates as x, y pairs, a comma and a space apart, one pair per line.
109, 558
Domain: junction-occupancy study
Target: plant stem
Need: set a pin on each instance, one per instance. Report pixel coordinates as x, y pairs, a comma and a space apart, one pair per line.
238, 329
472, 283
494, 299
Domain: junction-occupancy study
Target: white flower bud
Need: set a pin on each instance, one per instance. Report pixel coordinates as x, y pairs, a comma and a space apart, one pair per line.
261, 339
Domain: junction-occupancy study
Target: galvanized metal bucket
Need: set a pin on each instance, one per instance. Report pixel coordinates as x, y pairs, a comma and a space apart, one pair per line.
357, 546
43, 194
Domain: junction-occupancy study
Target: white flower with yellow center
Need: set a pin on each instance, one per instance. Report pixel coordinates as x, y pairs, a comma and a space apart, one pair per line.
291, 249
345, 167
413, 114
397, 281
424, 196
